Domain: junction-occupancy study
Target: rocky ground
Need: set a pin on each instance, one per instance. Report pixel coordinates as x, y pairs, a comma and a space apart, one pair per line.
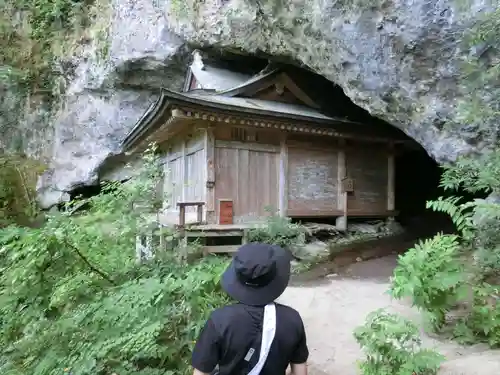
334, 305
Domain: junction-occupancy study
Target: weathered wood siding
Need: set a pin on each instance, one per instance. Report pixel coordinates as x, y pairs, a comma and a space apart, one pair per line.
367, 166
312, 181
174, 182
194, 189
247, 135
185, 168
247, 174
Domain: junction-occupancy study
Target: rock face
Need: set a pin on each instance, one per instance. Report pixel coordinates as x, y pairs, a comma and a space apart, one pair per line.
398, 59
107, 96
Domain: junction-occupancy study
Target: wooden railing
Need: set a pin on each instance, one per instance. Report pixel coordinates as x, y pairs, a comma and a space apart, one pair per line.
182, 211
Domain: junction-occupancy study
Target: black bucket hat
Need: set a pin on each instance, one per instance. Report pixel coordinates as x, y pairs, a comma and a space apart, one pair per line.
258, 274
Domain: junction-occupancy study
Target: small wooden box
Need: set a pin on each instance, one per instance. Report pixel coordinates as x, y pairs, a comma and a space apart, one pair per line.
225, 211
348, 185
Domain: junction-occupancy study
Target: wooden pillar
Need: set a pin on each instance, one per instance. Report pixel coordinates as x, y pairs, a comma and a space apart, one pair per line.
210, 176
341, 174
341, 222
199, 214
167, 182
182, 215
184, 171
283, 178
391, 179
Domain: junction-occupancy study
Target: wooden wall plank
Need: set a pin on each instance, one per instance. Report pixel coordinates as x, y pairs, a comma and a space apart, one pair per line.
194, 180
247, 146
249, 178
210, 180
312, 181
368, 169
341, 174
283, 178
391, 180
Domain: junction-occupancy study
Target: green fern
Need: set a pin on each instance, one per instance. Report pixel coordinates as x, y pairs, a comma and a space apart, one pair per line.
279, 231
432, 275
460, 214
72, 295
392, 345
434, 271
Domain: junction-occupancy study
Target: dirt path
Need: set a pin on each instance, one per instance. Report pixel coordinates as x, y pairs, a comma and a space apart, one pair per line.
334, 306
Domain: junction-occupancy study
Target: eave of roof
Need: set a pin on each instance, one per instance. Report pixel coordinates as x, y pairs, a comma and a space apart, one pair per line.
233, 104
144, 125
252, 106
284, 111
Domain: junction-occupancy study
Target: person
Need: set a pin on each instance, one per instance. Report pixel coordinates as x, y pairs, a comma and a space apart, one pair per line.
255, 335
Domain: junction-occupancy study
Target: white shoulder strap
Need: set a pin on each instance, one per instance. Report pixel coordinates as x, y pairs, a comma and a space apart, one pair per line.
268, 332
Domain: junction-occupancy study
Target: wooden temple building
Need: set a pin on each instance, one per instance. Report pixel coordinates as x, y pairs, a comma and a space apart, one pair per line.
237, 147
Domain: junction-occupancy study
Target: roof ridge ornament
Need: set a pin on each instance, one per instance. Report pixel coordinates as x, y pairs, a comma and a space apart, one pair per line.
198, 60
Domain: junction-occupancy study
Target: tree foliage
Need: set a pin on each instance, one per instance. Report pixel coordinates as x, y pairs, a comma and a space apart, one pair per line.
72, 294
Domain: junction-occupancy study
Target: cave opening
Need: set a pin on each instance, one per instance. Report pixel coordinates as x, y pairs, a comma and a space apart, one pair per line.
80, 195
417, 175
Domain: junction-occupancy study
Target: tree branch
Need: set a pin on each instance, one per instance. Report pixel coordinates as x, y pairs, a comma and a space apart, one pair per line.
87, 262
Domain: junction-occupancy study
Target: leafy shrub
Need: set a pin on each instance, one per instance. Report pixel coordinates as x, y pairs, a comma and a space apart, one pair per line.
477, 221
432, 275
72, 294
393, 347
469, 262
483, 321
280, 231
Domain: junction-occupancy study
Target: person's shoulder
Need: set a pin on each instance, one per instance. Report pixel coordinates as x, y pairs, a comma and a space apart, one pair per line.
288, 313
224, 312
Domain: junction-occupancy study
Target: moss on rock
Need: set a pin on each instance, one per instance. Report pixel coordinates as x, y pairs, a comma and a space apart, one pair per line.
18, 177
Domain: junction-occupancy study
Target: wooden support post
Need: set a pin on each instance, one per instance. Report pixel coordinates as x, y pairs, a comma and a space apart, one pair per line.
283, 178
184, 171
199, 211
391, 179
342, 199
341, 174
167, 182
210, 174
182, 214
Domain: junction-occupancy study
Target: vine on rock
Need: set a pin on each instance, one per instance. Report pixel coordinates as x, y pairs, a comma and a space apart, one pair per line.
18, 177
30, 33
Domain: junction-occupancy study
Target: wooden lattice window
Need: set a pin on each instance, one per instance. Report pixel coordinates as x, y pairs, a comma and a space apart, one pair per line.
244, 135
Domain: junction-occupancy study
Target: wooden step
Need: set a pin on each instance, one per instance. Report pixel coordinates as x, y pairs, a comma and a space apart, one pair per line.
218, 233
221, 249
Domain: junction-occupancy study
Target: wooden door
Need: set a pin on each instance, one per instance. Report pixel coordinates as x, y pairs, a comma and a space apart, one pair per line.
367, 167
249, 178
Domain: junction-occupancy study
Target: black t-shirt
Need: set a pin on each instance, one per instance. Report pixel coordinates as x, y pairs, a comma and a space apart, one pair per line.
230, 331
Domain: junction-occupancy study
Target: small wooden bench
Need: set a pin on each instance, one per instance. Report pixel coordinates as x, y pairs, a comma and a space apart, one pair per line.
182, 211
